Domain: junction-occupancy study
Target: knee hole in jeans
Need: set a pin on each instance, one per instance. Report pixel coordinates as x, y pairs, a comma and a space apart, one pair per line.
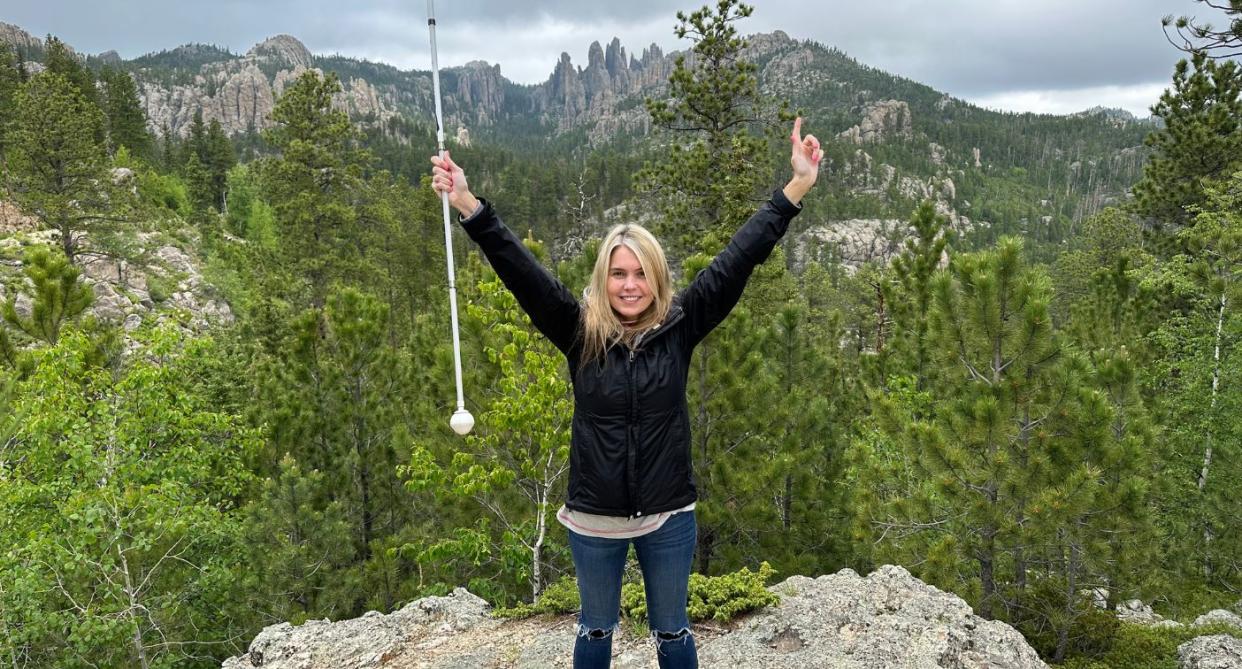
595, 634
669, 637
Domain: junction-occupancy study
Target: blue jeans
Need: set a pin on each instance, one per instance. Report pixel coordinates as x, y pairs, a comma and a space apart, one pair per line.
665, 557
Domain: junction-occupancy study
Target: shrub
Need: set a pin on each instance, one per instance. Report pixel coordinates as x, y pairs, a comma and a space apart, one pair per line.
719, 598
1147, 647
559, 597
165, 191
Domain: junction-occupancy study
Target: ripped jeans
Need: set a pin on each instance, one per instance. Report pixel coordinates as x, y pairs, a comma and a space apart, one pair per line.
665, 557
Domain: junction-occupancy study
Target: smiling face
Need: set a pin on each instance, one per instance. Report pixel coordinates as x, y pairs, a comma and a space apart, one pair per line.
628, 293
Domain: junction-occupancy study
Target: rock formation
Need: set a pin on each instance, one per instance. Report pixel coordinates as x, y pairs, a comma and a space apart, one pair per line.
20, 40
888, 620
882, 121
1218, 651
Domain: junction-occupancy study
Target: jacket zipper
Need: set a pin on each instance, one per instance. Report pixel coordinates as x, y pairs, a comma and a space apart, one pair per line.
632, 428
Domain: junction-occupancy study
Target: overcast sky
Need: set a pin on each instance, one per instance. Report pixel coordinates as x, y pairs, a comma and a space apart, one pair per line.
1055, 56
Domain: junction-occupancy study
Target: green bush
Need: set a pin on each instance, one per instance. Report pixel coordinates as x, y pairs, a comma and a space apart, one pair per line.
719, 598
160, 288
723, 598
165, 191
1147, 647
559, 597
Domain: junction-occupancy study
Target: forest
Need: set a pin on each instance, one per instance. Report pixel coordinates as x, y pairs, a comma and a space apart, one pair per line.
1033, 418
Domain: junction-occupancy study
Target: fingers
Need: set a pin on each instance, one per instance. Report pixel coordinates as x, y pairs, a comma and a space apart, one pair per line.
812, 145
796, 135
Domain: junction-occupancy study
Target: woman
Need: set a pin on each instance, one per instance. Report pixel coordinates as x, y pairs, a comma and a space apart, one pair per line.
629, 343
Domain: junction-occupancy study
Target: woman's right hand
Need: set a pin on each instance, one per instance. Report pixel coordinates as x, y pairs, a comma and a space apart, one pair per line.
448, 177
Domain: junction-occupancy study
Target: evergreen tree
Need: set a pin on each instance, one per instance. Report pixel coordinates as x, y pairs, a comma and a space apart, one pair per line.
1203, 37
10, 80
312, 185
909, 296
1201, 139
57, 166
126, 122
218, 160
60, 59
300, 548
716, 167
992, 449
59, 297
1111, 326
334, 400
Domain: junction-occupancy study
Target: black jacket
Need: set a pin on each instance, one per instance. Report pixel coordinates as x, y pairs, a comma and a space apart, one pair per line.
630, 444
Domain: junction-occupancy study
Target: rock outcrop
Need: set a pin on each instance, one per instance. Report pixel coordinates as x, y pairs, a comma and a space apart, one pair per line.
882, 121
888, 620
164, 282
285, 50
19, 40
1218, 651
1219, 617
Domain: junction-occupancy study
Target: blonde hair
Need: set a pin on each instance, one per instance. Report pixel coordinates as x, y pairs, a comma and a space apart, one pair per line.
601, 329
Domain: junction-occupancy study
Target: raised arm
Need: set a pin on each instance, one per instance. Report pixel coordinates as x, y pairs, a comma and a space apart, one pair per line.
550, 305
716, 290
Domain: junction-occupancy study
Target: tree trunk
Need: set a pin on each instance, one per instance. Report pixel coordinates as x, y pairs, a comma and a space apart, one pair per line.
541, 531
1207, 449
130, 594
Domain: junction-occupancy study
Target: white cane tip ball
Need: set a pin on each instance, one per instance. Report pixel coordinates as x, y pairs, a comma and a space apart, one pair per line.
461, 422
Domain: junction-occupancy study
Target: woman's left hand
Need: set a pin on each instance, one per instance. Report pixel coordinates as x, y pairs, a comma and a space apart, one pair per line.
804, 159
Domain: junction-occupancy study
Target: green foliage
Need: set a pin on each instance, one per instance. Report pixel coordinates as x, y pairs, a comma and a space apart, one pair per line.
716, 164
58, 296
723, 598
312, 186
164, 191
1145, 646
518, 456
560, 596
125, 121
59, 59
718, 598
119, 511
1201, 139
10, 79
57, 166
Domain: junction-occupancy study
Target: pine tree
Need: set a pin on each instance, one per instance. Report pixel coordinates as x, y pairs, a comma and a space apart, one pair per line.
909, 296
716, 167
218, 159
60, 59
299, 546
334, 399
126, 122
1201, 139
994, 446
1111, 327
312, 185
57, 166
10, 80
59, 297
1203, 37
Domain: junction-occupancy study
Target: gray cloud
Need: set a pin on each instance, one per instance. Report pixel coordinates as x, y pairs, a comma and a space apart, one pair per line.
969, 48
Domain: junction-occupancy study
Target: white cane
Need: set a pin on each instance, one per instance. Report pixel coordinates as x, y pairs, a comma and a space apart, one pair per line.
462, 421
